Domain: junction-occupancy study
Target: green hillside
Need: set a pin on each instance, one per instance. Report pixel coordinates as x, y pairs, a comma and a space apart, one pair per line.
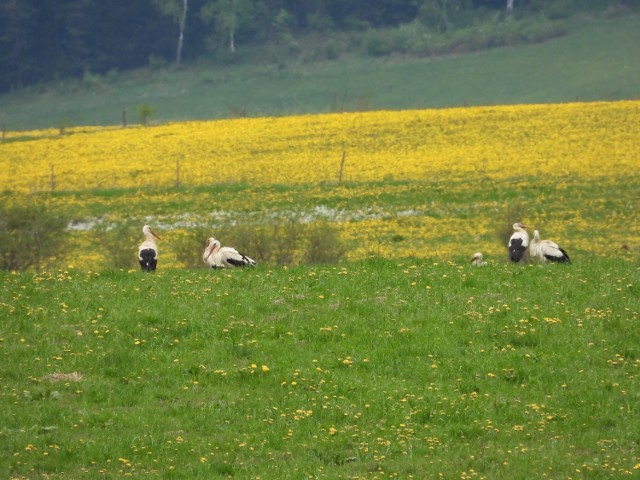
597, 59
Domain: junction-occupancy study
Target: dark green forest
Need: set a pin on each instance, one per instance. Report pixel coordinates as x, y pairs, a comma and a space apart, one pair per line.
48, 40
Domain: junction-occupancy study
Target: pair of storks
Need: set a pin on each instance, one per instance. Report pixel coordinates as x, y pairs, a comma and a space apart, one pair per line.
539, 250
215, 255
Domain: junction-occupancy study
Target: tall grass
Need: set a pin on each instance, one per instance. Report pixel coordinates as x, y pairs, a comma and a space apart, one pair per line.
374, 369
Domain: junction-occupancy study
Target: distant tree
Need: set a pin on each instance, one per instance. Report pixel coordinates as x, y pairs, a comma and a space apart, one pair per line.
16, 17
435, 13
367, 13
177, 11
222, 15
76, 21
231, 18
42, 40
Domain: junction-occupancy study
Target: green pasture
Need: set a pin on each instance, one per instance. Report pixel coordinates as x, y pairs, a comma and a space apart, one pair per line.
414, 368
408, 367
597, 59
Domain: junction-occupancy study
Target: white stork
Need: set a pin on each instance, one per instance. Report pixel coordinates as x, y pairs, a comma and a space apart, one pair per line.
476, 260
217, 256
518, 242
148, 250
546, 250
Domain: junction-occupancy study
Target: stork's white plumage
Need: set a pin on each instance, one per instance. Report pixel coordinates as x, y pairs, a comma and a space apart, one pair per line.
148, 250
217, 256
546, 250
518, 242
476, 260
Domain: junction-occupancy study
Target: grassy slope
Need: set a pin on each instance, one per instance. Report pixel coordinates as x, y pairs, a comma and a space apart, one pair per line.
377, 369
599, 59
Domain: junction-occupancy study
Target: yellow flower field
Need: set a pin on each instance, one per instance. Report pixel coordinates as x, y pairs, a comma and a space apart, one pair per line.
583, 139
568, 149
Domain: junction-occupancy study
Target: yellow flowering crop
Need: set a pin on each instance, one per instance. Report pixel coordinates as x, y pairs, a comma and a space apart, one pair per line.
581, 139
505, 148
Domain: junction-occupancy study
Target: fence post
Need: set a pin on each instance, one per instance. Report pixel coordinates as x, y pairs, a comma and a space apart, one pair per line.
178, 173
344, 156
124, 118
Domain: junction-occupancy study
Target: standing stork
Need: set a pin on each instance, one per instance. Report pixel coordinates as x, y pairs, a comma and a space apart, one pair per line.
217, 256
518, 242
546, 250
148, 250
477, 261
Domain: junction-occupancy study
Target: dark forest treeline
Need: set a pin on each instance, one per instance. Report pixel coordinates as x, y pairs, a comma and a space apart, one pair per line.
44, 40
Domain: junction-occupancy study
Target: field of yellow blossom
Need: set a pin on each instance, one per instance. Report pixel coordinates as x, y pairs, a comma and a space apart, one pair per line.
405, 183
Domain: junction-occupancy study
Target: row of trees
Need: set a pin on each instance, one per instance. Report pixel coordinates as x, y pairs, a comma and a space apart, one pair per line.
41, 40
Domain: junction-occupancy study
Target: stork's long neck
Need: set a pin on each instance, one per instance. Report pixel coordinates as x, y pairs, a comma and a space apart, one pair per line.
210, 250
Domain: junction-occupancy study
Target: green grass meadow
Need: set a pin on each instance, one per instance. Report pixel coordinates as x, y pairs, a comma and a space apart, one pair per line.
416, 367
371, 369
597, 59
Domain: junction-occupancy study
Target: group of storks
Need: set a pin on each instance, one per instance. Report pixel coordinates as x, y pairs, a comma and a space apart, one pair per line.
217, 256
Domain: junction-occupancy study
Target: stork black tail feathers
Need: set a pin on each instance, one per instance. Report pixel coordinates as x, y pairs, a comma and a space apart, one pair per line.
515, 255
147, 259
249, 261
243, 261
516, 250
564, 258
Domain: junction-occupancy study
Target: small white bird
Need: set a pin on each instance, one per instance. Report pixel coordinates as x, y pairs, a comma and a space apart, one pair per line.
518, 242
476, 260
224, 257
546, 250
148, 250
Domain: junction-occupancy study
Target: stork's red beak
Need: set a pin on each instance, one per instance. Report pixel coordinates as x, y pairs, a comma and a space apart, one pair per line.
154, 234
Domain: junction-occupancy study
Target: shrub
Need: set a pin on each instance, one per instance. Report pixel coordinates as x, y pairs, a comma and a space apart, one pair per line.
189, 247
323, 244
30, 236
145, 112
289, 242
156, 62
274, 243
92, 81
285, 240
118, 243
378, 43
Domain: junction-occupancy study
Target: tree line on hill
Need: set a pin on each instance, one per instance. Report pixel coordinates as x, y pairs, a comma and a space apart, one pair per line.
46, 40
